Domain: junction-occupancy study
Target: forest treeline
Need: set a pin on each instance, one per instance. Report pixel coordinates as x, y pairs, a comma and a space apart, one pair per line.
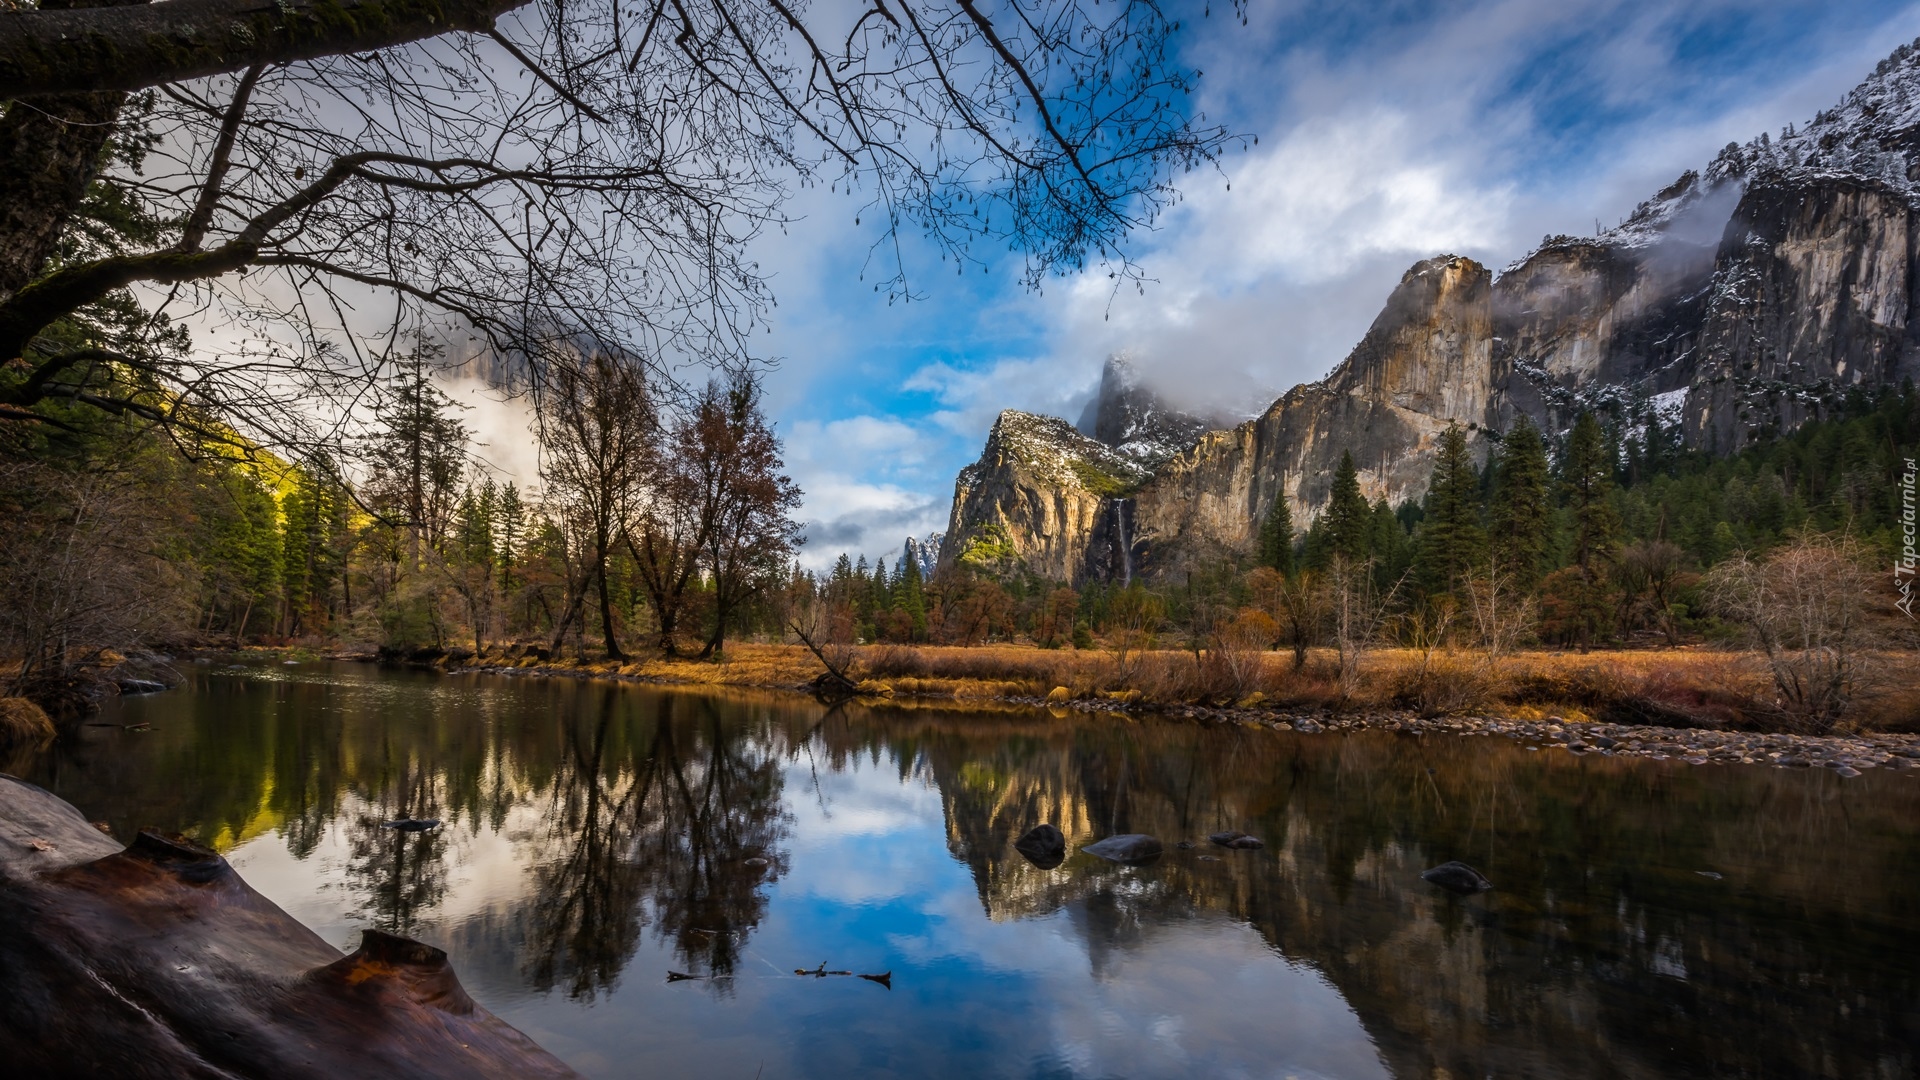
663, 524
1601, 536
659, 517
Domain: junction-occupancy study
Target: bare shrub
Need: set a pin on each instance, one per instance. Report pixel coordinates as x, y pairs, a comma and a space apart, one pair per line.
1806, 607
1133, 622
1233, 665
1357, 610
1503, 613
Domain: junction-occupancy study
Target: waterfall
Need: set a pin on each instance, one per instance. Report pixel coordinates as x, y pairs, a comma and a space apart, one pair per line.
1122, 520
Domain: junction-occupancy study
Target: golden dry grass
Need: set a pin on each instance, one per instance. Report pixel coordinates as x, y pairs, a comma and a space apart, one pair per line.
22, 723
1687, 687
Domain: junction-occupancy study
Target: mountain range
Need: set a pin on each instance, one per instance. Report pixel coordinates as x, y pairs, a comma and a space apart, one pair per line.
1739, 301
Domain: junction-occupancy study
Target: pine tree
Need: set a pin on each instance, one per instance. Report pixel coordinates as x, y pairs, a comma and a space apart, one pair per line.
1348, 519
1521, 513
509, 531
1276, 536
882, 587
910, 599
1451, 542
1586, 481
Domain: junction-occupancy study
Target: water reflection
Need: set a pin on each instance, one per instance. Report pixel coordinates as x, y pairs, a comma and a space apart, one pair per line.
597, 835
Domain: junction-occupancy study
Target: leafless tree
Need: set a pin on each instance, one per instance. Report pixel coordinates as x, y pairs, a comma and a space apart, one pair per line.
1807, 606
1503, 613
1303, 611
81, 570
319, 181
1357, 609
597, 427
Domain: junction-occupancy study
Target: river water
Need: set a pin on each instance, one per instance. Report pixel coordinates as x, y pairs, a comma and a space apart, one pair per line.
1649, 918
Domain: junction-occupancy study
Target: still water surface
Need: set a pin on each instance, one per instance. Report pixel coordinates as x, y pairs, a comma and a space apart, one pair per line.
1650, 918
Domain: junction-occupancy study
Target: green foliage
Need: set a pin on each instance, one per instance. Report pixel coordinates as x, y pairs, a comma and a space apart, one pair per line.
1276, 536
1451, 543
1348, 520
1100, 482
1586, 484
1521, 513
991, 548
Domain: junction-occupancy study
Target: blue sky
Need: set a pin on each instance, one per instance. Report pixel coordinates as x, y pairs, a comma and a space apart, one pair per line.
1388, 133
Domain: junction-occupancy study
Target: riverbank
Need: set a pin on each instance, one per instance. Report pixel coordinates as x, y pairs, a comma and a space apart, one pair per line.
1602, 703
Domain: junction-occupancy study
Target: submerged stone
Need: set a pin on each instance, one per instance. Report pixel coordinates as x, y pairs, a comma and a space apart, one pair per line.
1043, 845
1127, 848
1458, 877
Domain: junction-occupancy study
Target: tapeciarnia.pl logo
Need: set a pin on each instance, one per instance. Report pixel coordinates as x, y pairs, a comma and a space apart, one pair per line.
1903, 567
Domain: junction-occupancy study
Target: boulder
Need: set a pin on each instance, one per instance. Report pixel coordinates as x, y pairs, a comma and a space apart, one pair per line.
1043, 845
1130, 848
1233, 838
158, 960
1060, 696
1458, 877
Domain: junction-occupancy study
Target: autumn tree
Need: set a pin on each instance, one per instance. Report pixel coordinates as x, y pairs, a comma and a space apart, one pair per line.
743, 498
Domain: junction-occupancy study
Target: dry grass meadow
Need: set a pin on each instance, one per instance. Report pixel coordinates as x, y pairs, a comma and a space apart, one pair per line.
1685, 687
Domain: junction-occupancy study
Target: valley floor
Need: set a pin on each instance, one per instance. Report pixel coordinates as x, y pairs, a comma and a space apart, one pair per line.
1693, 704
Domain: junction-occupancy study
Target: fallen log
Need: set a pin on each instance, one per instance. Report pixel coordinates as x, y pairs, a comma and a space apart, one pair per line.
157, 960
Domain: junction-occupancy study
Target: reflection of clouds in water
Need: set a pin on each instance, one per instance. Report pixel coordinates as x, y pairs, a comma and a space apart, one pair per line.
1202, 996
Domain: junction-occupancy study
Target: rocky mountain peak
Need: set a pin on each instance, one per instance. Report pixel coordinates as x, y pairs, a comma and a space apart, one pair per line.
1429, 349
1131, 417
1872, 134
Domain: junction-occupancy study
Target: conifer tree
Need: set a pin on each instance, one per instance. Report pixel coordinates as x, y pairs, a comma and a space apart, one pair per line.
1348, 518
1522, 512
509, 531
909, 598
1276, 536
1451, 541
1586, 481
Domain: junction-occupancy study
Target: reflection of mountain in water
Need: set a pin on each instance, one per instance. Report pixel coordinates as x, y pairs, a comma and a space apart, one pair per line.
1602, 953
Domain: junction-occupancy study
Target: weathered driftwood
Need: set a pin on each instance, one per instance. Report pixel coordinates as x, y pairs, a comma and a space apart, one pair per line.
156, 960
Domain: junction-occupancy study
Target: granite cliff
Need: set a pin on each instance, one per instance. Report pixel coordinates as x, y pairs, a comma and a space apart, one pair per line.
1740, 300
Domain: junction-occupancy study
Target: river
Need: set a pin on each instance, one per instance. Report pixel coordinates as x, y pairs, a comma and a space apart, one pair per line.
1650, 918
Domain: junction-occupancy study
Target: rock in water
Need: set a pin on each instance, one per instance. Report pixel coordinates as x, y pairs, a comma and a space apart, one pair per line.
407, 824
141, 686
1129, 848
1458, 877
1043, 845
1234, 838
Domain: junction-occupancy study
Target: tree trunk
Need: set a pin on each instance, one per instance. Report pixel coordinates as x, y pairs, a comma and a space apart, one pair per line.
606, 612
49, 153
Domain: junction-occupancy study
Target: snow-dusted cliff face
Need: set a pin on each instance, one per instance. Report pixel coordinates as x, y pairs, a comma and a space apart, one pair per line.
1042, 496
1137, 421
1739, 300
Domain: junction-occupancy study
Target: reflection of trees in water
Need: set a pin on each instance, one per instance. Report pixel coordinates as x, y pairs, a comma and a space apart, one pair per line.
399, 875
1602, 953
655, 828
